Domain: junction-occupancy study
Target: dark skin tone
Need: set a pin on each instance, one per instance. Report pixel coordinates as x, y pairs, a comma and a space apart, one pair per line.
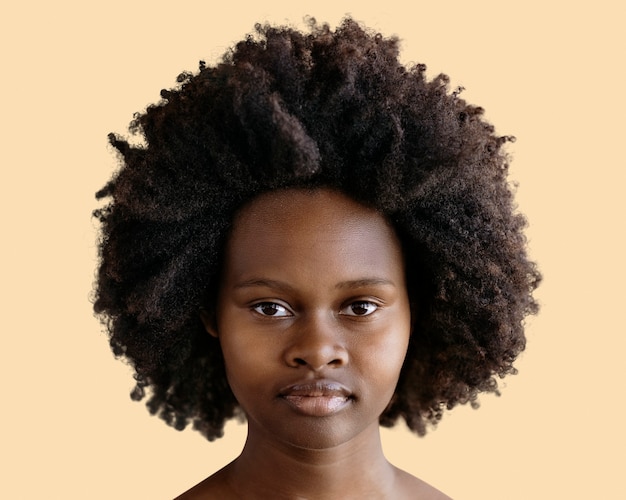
314, 320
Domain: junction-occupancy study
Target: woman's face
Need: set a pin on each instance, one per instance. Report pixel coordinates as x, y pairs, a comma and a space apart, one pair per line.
313, 316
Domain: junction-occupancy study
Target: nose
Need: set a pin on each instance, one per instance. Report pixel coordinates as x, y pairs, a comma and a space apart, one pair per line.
316, 343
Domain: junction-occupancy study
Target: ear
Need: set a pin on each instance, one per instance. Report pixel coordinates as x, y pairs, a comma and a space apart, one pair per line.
209, 322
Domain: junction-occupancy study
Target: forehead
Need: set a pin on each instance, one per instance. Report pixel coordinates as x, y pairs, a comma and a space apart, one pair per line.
313, 231
294, 203
319, 213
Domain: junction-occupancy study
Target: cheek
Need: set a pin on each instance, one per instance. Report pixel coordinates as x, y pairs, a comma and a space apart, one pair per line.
391, 352
246, 359
390, 355
382, 359
239, 372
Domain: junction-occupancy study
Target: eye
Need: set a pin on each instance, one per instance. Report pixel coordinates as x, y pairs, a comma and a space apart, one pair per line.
360, 308
271, 309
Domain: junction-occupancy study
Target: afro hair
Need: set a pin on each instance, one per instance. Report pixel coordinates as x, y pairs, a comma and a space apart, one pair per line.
321, 108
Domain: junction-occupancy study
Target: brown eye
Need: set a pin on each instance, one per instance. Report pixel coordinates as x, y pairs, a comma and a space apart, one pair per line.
360, 308
271, 309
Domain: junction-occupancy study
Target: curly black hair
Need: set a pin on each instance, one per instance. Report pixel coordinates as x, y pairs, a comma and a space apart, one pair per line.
321, 108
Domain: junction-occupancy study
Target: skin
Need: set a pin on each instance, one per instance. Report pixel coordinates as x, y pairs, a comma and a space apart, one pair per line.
314, 321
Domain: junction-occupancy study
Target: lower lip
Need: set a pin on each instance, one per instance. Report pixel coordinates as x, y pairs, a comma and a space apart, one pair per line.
317, 406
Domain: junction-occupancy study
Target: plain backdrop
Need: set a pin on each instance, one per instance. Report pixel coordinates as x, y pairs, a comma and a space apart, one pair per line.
550, 73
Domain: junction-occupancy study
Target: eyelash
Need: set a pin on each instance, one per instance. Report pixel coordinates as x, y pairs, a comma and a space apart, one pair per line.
368, 304
259, 305
283, 309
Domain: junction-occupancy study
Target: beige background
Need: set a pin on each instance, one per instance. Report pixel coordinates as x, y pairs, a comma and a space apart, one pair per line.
550, 73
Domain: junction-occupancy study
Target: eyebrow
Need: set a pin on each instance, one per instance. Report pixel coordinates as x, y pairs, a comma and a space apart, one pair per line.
267, 283
281, 285
365, 282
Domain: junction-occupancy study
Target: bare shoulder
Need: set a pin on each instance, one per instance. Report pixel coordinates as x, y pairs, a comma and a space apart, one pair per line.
413, 488
213, 487
217, 487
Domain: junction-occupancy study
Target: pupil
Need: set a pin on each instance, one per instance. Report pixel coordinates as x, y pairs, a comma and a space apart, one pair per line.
270, 309
359, 308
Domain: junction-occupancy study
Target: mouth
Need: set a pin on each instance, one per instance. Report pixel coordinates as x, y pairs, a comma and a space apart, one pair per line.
317, 398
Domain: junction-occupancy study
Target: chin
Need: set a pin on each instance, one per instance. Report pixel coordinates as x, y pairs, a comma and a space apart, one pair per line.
317, 434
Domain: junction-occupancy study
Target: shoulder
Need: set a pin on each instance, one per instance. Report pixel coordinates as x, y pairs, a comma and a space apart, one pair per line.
213, 487
413, 488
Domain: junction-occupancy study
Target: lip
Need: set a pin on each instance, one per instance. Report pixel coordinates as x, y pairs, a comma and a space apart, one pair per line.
316, 398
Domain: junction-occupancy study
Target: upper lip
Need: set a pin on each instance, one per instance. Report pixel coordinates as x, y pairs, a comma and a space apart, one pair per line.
316, 388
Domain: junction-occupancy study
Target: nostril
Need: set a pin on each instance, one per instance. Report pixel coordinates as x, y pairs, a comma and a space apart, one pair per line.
304, 362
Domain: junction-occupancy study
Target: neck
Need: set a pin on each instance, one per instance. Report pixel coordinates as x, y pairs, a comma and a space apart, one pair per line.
267, 466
